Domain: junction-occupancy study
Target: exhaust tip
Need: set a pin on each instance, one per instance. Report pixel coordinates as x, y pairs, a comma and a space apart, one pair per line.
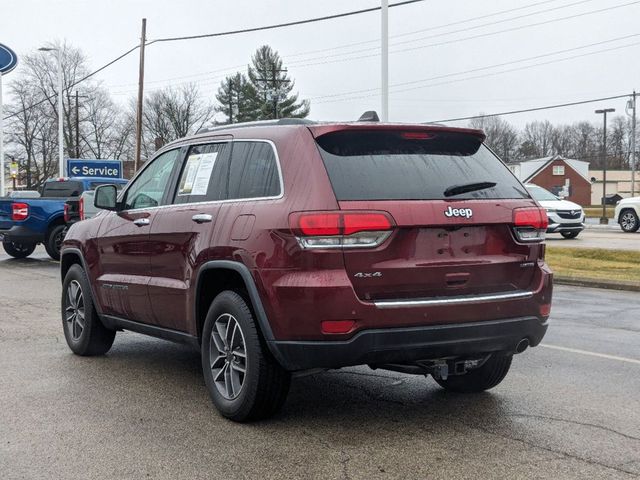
522, 345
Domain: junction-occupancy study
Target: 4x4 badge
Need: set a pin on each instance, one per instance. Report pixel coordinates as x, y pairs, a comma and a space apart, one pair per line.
458, 212
367, 274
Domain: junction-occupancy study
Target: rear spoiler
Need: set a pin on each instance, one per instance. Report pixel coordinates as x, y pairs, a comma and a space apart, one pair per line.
319, 130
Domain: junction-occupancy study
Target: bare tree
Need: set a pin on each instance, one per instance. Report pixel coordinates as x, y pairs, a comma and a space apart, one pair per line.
33, 141
172, 113
537, 139
502, 137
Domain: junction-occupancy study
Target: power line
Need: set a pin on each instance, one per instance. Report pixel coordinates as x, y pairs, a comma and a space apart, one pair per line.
302, 62
86, 77
534, 109
437, 27
220, 34
349, 94
485, 68
456, 40
442, 34
280, 25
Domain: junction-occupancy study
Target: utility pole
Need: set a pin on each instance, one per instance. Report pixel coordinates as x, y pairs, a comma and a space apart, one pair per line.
631, 104
143, 41
230, 101
275, 90
384, 60
77, 128
604, 220
77, 121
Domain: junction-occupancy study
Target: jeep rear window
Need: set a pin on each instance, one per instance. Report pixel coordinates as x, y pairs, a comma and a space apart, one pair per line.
412, 165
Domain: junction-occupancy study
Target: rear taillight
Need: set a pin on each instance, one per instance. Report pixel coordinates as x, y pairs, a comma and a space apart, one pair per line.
19, 211
81, 208
348, 229
65, 214
530, 224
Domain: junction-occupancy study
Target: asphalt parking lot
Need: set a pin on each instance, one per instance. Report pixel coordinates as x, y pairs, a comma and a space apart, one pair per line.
598, 237
568, 409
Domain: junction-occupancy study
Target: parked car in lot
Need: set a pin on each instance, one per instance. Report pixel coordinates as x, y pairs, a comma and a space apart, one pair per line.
82, 207
26, 222
565, 217
287, 246
627, 214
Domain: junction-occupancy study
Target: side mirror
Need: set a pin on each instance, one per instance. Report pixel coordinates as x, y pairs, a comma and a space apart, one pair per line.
106, 197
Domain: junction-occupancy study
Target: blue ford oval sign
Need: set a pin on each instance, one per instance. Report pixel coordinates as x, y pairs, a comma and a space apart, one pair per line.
8, 59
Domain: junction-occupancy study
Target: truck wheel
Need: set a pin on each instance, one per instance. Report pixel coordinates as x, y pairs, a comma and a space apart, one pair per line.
83, 330
18, 250
53, 242
244, 381
629, 221
490, 374
569, 234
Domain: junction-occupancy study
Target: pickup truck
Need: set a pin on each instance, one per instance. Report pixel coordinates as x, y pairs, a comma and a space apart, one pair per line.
26, 222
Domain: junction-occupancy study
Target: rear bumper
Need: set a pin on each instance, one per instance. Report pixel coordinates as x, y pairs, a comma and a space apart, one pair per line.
20, 234
401, 345
565, 227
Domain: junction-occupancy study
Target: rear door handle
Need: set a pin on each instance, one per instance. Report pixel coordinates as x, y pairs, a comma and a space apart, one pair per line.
202, 218
141, 222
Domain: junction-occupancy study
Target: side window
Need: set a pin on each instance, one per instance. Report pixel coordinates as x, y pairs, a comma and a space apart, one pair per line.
204, 174
254, 171
147, 190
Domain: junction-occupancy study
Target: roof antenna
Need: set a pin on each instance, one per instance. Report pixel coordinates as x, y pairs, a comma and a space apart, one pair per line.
369, 116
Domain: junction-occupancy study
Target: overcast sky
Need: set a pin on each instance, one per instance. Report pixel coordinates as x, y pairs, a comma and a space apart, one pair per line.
318, 58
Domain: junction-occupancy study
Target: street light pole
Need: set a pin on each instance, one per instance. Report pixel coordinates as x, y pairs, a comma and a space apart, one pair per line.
384, 60
60, 109
632, 158
604, 220
60, 118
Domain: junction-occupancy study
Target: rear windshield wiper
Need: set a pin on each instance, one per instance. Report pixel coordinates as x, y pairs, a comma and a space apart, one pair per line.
468, 187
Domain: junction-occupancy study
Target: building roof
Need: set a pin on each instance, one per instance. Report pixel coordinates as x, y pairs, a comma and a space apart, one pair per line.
536, 165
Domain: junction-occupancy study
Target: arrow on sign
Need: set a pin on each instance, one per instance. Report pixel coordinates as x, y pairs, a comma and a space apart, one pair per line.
75, 170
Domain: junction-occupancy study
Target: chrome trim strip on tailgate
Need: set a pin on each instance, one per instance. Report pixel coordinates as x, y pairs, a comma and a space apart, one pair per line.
452, 300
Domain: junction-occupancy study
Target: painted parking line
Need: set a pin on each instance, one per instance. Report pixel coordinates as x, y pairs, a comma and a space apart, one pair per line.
592, 354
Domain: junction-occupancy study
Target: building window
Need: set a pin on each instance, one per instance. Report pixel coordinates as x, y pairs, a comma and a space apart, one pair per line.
558, 169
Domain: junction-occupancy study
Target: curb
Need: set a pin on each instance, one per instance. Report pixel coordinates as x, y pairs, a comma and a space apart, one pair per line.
592, 283
597, 226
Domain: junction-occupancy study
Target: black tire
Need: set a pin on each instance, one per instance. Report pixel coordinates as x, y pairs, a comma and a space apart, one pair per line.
569, 235
18, 250
629, 221
88, 336
262, 389
53, 241
490, 374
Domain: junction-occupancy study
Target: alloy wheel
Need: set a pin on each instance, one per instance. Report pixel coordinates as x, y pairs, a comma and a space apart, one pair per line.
228, 356
74, 310
628, 221
20, 247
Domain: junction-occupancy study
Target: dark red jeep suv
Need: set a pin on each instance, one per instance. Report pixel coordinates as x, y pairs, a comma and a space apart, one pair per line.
280, 247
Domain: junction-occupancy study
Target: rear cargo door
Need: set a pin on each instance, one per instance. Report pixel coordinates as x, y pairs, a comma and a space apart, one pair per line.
452, 201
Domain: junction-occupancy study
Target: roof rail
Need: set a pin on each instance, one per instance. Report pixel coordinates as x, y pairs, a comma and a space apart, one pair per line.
260, 123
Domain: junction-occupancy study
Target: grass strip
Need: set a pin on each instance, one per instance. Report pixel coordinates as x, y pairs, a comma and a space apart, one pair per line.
595, 264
